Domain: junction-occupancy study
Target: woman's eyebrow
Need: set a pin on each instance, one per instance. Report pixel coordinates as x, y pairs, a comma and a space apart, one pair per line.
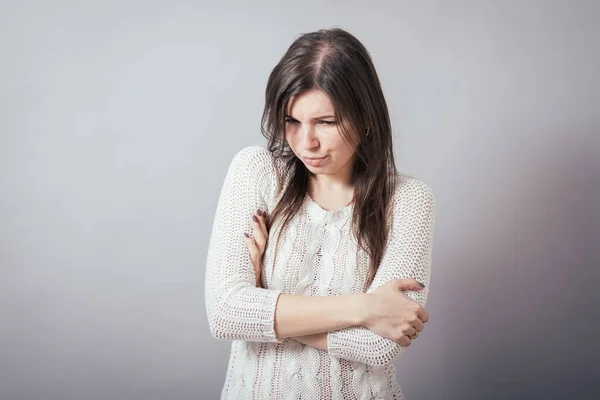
319, 117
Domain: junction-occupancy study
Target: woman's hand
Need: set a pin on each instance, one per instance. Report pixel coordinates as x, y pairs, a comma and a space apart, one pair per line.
257, 242
392, 314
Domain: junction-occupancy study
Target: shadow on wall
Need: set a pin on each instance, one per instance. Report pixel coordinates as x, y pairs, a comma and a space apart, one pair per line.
520, 282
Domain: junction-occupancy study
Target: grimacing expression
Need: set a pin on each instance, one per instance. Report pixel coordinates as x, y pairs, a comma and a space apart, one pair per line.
312, 131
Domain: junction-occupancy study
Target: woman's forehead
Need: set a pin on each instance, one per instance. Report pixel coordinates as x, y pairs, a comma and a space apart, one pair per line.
312, 103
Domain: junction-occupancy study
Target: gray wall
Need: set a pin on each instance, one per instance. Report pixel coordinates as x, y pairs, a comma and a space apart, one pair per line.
118, 120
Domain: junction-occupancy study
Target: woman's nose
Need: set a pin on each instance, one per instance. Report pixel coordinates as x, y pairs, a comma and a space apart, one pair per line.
309, 138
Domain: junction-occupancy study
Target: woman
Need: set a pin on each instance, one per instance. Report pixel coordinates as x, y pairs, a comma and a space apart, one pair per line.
325, 308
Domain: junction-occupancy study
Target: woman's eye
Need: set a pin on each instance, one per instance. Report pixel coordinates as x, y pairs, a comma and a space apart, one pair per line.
293, 121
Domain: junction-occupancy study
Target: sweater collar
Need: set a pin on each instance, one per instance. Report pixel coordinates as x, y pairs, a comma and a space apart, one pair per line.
320, 216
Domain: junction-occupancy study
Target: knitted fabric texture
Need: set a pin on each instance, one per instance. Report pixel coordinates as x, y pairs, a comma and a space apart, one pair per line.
317, 256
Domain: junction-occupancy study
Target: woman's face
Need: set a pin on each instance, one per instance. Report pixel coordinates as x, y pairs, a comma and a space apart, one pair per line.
312, 131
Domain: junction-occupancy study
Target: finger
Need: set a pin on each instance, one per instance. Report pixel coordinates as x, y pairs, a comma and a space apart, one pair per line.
258, 233
254, 251
418, 325
422, 314
254, 257
408, 284
409, 331
263, 222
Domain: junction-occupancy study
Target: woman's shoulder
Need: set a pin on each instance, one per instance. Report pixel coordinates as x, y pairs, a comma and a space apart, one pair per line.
262, 157
260, 165
410, 189
255, 160
253, 156
413, 202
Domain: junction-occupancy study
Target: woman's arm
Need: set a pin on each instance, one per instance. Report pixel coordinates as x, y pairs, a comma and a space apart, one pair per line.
408, 255
317, 341
236, 308
308, 315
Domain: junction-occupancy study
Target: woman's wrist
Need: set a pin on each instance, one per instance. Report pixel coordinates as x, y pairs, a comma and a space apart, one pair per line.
359, 308
317, 340
362, 308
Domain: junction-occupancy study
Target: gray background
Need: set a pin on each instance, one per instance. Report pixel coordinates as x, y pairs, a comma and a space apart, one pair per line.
118, 120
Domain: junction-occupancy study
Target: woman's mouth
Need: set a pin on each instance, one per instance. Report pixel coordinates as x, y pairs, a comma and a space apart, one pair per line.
314, 161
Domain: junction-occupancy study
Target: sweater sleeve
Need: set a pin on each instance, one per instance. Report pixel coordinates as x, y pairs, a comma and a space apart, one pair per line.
236, 308
407, 255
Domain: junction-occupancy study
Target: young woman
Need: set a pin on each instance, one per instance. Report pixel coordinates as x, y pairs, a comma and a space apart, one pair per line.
325, 308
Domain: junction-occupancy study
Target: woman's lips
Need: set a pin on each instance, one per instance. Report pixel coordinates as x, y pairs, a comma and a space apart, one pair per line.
314, 162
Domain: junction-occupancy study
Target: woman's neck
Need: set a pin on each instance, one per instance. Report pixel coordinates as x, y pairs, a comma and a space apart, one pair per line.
330, 194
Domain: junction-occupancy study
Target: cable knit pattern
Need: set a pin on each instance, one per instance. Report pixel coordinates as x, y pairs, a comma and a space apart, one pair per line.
317, 256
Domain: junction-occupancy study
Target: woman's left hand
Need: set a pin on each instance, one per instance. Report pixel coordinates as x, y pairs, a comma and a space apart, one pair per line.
257, 242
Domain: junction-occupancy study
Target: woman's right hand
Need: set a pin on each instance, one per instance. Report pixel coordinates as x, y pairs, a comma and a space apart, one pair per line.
391, 314
257, 242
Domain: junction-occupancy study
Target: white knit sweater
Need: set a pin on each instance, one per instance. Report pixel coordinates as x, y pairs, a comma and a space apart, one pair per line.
317, 256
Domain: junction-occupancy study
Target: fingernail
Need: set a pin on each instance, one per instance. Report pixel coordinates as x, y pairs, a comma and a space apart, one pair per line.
254, 218
421, 284
259, 212
245, 234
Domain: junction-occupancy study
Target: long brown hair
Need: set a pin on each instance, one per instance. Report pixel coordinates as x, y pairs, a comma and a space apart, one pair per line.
335, 62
